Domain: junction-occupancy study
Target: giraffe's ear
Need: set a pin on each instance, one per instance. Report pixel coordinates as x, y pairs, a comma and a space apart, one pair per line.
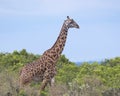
68, 17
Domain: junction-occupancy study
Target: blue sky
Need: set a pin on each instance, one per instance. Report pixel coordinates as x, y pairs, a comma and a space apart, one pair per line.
35, 25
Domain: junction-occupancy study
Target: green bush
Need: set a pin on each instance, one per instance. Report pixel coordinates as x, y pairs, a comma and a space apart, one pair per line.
87, 79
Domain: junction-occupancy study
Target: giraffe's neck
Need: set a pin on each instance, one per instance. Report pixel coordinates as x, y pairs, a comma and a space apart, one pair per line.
55, 51
58, 46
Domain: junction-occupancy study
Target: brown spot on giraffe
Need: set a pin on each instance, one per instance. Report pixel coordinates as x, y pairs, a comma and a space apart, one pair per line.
44, 69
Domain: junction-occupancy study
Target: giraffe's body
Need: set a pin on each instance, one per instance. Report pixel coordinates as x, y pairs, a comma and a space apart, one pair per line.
44, 69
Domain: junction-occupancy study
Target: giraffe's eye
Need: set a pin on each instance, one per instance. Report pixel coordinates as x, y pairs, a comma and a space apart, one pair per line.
71, 21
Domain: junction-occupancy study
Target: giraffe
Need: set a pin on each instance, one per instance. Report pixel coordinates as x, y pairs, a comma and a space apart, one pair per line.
44, 69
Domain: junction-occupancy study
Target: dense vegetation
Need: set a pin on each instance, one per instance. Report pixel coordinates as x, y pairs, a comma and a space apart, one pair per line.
87, 79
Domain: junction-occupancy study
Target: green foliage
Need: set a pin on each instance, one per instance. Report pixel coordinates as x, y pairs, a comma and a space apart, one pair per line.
16, 59
67, 73
88, 79
111, 62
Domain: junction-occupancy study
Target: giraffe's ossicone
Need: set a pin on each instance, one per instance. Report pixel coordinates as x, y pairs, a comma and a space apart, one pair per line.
44, 69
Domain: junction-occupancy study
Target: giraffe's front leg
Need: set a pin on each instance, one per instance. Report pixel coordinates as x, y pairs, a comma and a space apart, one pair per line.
44, 84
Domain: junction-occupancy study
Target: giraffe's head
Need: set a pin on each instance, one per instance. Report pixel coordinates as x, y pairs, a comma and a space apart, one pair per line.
70, 23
